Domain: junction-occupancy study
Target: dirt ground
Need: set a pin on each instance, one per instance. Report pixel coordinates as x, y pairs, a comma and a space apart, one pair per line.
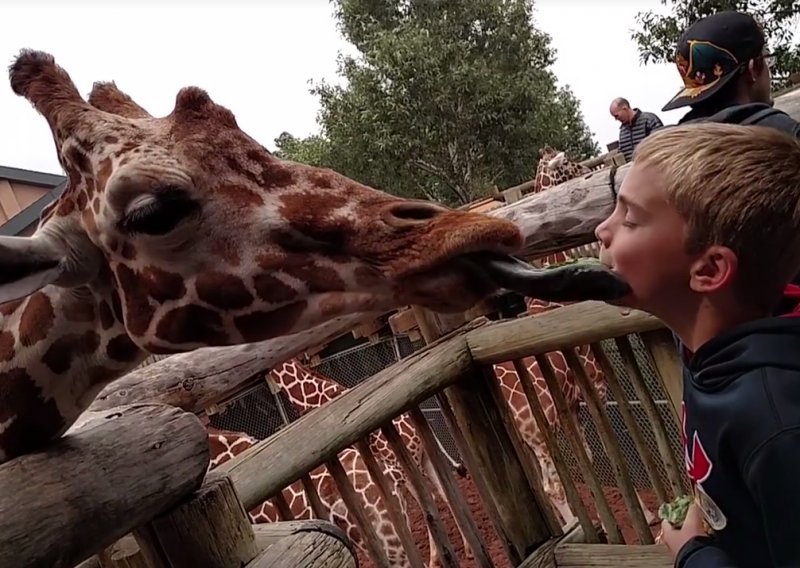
493, 544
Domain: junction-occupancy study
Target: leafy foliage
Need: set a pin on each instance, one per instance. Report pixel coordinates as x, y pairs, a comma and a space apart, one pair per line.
658, 34
444, 99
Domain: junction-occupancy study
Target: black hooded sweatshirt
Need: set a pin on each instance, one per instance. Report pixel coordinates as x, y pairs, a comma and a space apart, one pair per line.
741, 435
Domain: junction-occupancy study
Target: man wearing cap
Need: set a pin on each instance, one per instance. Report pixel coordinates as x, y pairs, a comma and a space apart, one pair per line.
634, 125
725, 68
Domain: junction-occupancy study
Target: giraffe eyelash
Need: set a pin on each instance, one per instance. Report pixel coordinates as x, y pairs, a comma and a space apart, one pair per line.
168, 208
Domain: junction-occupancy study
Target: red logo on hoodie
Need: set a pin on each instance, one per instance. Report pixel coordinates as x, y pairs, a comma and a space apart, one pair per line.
698, 466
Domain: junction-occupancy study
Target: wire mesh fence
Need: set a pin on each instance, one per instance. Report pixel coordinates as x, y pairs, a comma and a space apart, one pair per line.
256, 411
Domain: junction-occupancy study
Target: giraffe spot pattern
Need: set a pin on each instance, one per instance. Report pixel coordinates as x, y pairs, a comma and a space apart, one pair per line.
162, 285
224, 291
240, 197
106, 316
191, 324
272, 290
10, 307
65, 349
37, 319
122, 348
137, 306
261, 325
36, 420
79, 310
6, 347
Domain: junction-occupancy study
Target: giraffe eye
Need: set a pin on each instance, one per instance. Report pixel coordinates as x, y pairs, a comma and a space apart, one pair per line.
160, 214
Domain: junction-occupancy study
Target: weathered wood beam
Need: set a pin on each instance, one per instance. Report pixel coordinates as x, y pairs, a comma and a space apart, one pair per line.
195, 380
95, 485
575, 324
566, 216
276, 462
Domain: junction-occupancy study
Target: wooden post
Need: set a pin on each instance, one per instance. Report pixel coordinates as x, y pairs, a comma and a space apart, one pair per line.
308, 549
500, 477
91, 487
211, 529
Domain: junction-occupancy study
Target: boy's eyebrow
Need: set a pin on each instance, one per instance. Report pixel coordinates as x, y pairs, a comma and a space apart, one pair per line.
630, 204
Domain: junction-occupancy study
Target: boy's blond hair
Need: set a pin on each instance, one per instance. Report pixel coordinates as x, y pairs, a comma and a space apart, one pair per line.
739, 187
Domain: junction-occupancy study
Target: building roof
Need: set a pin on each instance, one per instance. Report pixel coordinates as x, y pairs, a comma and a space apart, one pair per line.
29, 215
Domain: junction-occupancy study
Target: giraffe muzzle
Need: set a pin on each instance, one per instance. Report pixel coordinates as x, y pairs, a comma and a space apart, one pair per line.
580, 280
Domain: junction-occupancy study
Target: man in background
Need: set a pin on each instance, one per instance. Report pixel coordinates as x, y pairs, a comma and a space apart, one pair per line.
725, 67
635, 125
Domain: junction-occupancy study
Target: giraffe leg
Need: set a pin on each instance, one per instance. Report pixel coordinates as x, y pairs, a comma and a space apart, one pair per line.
552, 485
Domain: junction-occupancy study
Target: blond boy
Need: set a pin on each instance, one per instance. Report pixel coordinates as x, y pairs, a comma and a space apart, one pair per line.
707, 232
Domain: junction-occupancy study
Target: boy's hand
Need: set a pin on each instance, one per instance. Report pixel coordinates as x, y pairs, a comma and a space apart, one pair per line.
692, 526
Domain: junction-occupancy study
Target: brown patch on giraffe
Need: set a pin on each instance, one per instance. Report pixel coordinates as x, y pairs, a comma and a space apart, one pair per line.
192, 324
259, 326
36, 420
7, 342
272, 290
83, 200
66, 207
239, 196
137, 306
224, 291
65, 349
10, 307
36, 320
122, 349
106, 316
128, 251
317, 278
78, 311
109, 139
275, 175
321, 179
77, 158
103, 173
162, 285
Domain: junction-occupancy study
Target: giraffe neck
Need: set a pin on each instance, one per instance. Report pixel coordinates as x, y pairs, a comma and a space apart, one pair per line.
58, 348
306, 390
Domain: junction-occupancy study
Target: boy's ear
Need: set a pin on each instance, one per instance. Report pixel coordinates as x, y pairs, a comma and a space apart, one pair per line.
714, 270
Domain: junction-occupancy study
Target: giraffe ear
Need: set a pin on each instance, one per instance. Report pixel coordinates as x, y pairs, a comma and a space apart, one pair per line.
26, 265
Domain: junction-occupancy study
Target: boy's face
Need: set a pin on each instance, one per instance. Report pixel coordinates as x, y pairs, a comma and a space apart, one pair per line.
643, 241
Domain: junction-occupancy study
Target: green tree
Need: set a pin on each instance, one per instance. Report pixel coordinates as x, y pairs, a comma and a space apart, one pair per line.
657, 34
444, 99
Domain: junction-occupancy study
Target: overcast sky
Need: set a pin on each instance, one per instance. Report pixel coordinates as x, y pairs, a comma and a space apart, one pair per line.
257, 57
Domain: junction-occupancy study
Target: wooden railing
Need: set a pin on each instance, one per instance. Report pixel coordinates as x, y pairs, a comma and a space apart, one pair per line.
457, 370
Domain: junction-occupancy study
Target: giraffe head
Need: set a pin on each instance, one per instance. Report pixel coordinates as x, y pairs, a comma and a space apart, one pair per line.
555, 168
206, 238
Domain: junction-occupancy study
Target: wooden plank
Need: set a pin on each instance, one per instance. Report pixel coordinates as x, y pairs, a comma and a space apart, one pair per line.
576, 324
276, 462
195, 380
268, 534
211, 529
610, 555
95, 485
664, 354
519, 518
307, 549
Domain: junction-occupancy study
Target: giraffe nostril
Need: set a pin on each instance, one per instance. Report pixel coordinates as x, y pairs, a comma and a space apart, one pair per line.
406, 214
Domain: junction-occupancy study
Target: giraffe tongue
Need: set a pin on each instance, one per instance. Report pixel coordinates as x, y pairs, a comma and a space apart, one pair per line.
585, 279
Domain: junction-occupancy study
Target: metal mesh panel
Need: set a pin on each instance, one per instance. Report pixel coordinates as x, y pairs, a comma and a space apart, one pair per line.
352, 366
254, 412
